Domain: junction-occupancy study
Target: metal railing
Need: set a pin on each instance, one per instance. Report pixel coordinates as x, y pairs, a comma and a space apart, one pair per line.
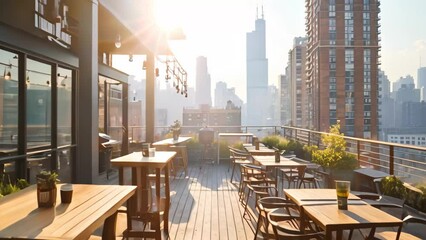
405, 161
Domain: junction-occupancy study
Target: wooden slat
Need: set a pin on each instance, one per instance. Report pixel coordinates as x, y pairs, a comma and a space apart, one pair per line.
91, 205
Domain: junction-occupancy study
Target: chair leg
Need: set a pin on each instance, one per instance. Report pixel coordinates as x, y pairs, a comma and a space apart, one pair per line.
232, 174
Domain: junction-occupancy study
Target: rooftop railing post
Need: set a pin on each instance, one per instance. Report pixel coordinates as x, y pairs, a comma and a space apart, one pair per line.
358, 149
391, 160
309, 138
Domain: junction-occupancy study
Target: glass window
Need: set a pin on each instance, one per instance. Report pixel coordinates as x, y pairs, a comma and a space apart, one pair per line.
39, 107
8, 101
64, 84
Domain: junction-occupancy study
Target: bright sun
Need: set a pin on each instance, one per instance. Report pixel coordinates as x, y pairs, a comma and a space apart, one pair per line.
167, 14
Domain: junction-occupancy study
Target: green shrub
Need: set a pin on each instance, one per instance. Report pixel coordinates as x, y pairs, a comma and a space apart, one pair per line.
393, 186
334, 155
7, 187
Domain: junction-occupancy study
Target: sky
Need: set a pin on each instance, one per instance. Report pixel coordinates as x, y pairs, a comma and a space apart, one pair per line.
217, 30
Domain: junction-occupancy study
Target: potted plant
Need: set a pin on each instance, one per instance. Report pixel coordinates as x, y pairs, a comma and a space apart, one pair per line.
46, 188
338, 163
175, 129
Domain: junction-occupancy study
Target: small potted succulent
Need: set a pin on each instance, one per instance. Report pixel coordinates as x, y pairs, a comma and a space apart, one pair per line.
175, 129
46, 188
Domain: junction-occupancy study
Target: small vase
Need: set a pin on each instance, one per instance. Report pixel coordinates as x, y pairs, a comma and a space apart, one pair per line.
46, 197
277, 157
175, 135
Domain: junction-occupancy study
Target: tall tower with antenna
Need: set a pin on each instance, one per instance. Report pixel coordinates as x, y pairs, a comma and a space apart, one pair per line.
257, 73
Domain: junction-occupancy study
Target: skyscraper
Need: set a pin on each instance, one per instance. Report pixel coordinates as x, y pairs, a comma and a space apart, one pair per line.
421, 82
342, 65
202, 82
257, 74
421, 77
298, 98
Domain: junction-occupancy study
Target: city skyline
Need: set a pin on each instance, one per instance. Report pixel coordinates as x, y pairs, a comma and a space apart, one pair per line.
220, 37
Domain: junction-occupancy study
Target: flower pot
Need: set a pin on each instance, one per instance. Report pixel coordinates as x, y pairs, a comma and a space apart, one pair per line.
46, 197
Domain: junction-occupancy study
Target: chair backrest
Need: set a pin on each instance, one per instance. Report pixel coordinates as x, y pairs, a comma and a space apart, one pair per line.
238, 154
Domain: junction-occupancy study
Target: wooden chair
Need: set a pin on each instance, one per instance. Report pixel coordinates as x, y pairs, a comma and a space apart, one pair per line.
285, 229
237, 157
308, 178
384, 201
268, 204
180, 162
256, 181
404, 235
291, 175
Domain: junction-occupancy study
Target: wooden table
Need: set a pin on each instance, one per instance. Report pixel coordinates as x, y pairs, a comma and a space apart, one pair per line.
320, 205
246, 135
268, 162
262, 151
140, 166
170, 141
91, 206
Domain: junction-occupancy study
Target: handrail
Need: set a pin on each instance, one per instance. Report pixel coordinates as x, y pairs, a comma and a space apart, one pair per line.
408, 161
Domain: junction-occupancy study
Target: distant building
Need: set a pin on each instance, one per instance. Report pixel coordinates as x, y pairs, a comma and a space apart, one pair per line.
257, 74
413, 114
407, 93
410, 136
342, 65
421, 82
421, 77
223, 94
297, 82
386, 104
407, 80
206, 116
202, 82
285, 107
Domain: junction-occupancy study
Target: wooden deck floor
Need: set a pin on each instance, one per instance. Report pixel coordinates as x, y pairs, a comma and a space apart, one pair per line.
205, 205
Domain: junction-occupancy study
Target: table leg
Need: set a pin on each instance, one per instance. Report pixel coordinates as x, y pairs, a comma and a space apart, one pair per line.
144, 190
167, 193
218, 149
108, 231
328, 233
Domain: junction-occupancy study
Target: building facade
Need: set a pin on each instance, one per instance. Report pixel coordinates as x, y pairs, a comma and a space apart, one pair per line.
202, 82
257, 74
284, 100
59, 89
297, 79
196, 118
223, 94
342, 65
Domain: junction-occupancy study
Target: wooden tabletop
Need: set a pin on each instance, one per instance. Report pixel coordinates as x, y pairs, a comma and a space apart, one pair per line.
330, 218
320, 205
235, 134
269, 161
170, 141
307, 196
91, 205
136, 159
261, 151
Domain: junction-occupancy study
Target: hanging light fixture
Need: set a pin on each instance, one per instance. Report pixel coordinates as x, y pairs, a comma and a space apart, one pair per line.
27, 81
118, 41
130, 57
8, 75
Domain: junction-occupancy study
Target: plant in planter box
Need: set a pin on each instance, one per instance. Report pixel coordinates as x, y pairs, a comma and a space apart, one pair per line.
334, 158
46, 188
175, 129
